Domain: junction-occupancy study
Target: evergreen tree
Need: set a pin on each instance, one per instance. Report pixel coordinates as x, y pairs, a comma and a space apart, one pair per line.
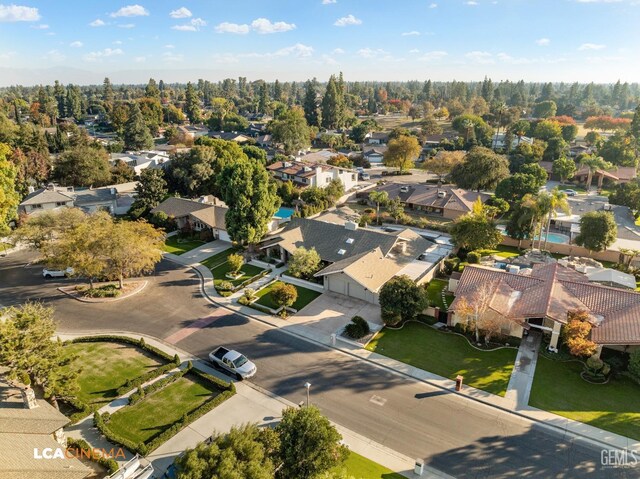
9, 198
152, 90
83, 166
136, 134
60, 95
311, 107
332, 105
151, 189
263, 99
73, 102
107, 91
277, 91
192, 105
487, 90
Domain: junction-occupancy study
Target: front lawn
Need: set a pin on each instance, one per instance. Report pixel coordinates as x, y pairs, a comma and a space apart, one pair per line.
434, 293
305, 296
248, 271
178, 246
359, 467
105, 366
160, 410
447, 355
615, 406
217, 259
503, 251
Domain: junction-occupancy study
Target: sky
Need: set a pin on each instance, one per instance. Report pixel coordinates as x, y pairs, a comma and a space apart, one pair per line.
81, 41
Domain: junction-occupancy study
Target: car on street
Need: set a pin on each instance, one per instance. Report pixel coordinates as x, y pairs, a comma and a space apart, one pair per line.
232, 362
57, 273
570, 192
365, 176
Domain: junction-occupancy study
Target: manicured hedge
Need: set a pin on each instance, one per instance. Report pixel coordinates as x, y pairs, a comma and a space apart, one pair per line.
125, 340
156, 386
108, 463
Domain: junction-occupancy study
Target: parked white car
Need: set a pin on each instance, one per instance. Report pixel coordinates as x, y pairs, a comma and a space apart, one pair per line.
57, 273
233, 362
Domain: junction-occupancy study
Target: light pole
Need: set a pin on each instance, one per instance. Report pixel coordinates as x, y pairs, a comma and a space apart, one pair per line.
307, 385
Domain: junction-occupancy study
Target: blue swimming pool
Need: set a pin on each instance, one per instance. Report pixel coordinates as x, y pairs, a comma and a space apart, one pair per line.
556, 238
284, 213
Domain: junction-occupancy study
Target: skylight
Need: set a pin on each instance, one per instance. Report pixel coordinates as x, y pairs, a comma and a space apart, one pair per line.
350, 240
341, 251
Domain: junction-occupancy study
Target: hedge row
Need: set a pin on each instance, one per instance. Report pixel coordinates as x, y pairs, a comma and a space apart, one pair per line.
142, 392
146, 377
228, 390
263, 273
126, 340
108, 463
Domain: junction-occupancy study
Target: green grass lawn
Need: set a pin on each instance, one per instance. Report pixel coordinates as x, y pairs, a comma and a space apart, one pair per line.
434, 289
447, 355
105, 367
178, 246
159, 410
615, 406
505, 251
217, 259
248, 272
305, 296
359, 467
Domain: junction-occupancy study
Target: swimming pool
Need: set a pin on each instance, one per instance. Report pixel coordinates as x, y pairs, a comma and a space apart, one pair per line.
284, 213
556, 238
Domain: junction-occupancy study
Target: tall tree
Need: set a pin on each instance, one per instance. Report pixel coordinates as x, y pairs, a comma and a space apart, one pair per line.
152, 90
401, 299
482, 169
309, 444
333, 107
379, 198
83, 166
402, 152
311, 105
291, 130
598, 230
442, 164
107, 92
557, 201
9, 198
475, 230
251, 197
565, 168
150, 190
192, 105
594, 163
29, 353
136, 134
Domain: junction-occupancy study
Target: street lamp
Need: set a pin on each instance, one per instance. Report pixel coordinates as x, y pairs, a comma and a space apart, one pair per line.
307, 385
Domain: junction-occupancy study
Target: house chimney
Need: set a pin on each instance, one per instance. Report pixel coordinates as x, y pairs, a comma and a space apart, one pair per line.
351, 225
31, 189
29, 398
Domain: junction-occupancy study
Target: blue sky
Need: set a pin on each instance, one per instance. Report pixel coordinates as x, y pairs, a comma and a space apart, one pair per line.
536, 40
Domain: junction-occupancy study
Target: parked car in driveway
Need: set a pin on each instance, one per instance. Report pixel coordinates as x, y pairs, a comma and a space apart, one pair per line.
233, 362
57, 273
570, 192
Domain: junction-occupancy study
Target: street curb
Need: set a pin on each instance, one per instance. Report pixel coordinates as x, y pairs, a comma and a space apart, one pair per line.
102, 300
552, 427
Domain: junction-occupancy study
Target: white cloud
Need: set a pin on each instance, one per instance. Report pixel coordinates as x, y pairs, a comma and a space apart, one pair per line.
97, 23
42, 26
126, 25
433, 5
338, 51
591, 46
54, 56
18, 13
484, 58
472, 3
297, 50
543, 42
181, 12
169, 46
263, 26
372, 53
329, 2
226, 58
100, 54
194, 25
226, 27
433, 56
76, 44
131, 11
348, 20
414, 50
171, 57
328, 60
412, 33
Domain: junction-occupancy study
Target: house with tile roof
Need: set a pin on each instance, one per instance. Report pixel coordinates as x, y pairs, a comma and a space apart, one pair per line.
304, 173
359, 261
204, 214
28, 424
446, 201
541, 300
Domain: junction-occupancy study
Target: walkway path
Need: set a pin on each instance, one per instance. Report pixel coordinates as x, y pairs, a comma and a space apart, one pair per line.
203, 252
521, 380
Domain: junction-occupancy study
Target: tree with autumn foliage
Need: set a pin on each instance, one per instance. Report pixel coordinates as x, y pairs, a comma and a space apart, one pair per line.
575, 334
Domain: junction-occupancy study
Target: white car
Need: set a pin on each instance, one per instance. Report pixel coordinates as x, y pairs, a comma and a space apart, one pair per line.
233, 362
571, 192
57, 273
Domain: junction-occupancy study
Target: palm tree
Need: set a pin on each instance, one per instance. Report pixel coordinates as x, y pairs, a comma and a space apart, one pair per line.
379, 198
594, 163
557, 201
468, 126
530, 202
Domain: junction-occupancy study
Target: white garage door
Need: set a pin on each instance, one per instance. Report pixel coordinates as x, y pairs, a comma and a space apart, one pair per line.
357, 291
224, 236
337, 284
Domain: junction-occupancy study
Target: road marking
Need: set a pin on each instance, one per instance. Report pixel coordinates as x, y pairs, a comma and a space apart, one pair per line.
377, 400
194, 326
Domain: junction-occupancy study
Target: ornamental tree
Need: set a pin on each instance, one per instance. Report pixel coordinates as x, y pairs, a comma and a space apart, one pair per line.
598, 230
575, 334
304, 262
401, 298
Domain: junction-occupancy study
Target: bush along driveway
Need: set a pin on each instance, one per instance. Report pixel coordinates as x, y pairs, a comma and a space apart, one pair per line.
447, 355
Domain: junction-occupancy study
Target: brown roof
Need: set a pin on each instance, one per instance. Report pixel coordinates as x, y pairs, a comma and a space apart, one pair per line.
15, 418
214, 216
550, 291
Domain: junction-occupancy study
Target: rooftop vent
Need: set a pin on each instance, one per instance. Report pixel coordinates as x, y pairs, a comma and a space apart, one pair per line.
351, 225
350, 240
341, 252
442, 194
404, 189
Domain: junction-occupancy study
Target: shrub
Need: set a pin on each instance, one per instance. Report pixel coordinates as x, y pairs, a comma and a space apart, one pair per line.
450, 265
357, 328
106, 291
634, 363
108, 463
391, 318
244, 300
225, 286
236, 261
473, 257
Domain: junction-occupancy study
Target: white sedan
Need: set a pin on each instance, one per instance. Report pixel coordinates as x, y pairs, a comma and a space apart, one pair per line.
57, 273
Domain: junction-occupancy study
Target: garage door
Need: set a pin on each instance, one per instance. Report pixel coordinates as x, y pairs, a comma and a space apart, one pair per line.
224, 236
357, 291
337, 284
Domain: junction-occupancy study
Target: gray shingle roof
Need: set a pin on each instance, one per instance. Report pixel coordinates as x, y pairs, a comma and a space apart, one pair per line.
43, 196
178, 207
97, 195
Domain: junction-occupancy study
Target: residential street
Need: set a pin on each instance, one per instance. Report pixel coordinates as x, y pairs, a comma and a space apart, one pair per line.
455, 435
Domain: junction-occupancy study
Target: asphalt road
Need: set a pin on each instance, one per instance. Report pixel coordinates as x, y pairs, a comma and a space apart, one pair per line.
457, 436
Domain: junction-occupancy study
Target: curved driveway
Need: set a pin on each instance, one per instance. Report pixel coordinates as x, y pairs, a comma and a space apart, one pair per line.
455, 435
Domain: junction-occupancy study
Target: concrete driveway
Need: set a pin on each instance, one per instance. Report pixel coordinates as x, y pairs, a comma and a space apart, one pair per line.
330, 312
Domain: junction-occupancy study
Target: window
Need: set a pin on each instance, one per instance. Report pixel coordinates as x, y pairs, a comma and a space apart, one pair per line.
60, 203
36, 207
327, 180
350, 240
341, 252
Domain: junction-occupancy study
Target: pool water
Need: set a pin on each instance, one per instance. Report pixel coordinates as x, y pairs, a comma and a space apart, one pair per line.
284, 213
556, 238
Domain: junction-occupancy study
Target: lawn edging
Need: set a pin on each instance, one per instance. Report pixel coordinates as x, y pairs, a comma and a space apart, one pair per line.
77, 295
228, 389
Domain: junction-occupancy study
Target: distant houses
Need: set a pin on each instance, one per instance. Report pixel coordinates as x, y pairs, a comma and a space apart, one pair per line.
303, 173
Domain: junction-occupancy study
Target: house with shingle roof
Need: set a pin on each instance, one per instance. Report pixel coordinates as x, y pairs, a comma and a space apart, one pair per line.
359, 261
27, 425
55, 197
541, 300
446, 201
306, 173
204, 214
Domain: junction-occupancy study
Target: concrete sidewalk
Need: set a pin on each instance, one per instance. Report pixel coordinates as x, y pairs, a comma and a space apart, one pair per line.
599, 437
519, 387
205, 251
249, 404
